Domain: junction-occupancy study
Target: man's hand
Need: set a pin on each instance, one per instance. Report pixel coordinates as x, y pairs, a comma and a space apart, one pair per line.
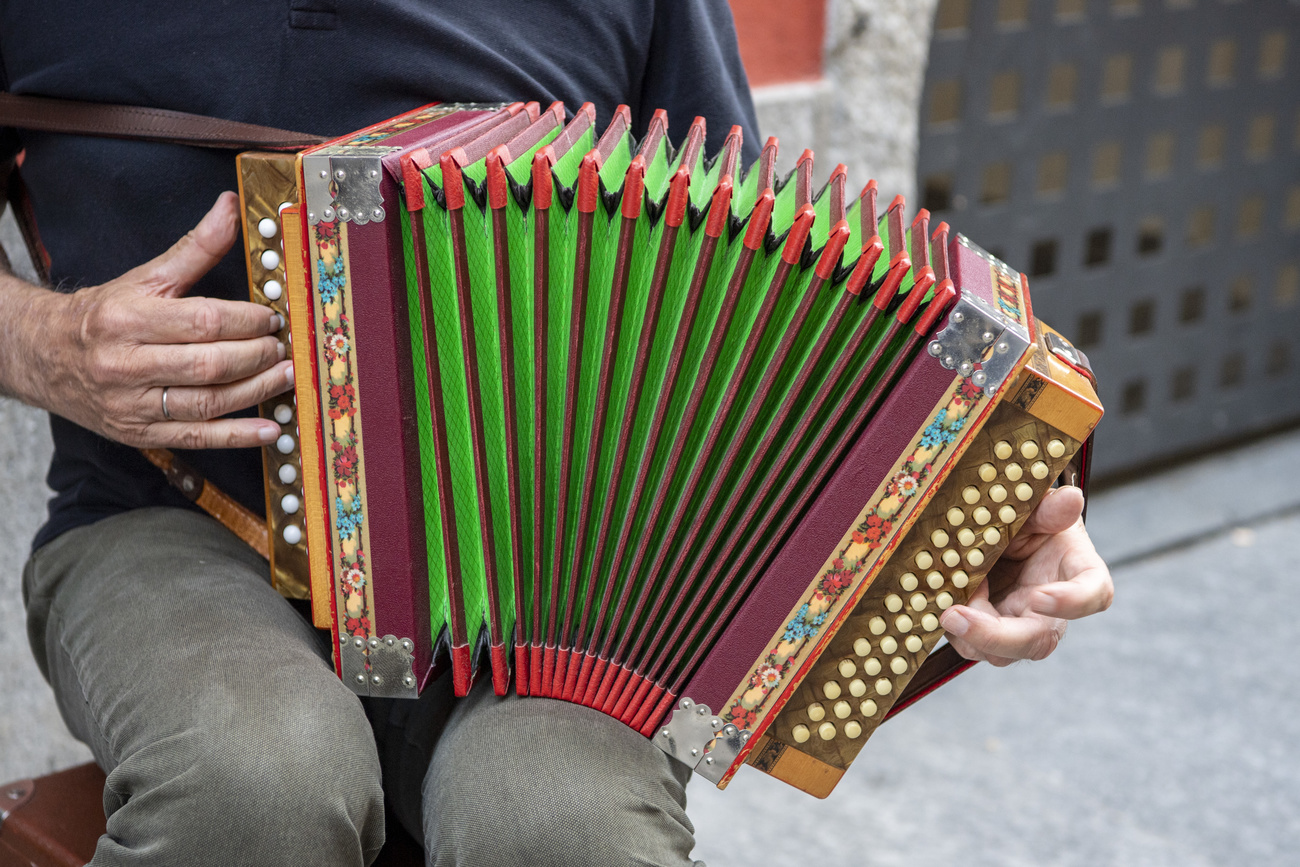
102, 356
1049, 574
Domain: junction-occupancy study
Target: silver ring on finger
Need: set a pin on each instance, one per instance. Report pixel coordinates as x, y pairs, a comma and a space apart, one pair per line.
166, 414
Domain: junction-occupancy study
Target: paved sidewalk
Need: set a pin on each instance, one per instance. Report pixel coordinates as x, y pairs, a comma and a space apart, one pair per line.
1163, 732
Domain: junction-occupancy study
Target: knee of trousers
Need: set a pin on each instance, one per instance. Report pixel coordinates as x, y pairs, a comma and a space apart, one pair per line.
293, 780
537, 781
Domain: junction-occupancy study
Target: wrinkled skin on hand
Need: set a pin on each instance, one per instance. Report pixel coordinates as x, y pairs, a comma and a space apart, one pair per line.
1049, 574
102, 356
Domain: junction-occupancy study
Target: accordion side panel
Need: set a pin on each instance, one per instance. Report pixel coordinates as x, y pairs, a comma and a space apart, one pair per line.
267, 183
1006, 471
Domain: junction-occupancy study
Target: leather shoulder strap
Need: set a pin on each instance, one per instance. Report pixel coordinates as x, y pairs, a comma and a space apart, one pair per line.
46, 114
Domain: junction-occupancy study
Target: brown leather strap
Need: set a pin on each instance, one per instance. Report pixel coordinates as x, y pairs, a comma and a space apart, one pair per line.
211, 499
45, 114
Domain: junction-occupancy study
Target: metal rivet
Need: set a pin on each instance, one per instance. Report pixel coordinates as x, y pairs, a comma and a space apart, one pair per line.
935, 348
695, 751
377, 213
966, 368
979, 377
701, 710
708, 760
361, 678
311, 216
343, 213
949, 361
686, 704
374, 173
324, 174
1003, 346
716, 723
744, 736
408, 680
730, 730
390, 641
360, 642
958, 317
407, 644
339, 174
987, 336
374, 642
328, 213
666, 733
376, 680
187, 484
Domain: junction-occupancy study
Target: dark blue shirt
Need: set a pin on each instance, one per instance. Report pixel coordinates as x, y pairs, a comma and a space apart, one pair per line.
318, 66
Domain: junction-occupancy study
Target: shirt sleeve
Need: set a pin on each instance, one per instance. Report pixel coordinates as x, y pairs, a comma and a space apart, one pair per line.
694, 70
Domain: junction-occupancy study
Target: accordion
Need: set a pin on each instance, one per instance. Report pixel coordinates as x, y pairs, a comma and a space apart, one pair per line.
668, 436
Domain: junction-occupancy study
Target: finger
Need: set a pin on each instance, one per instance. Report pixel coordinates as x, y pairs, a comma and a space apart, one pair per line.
181, 364
197, 320
194, 255
1086, 593
190, 404
1010, 638
1058, 511
225, 433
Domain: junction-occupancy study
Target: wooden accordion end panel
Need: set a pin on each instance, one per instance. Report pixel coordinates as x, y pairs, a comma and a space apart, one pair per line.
268, 187
1026, 445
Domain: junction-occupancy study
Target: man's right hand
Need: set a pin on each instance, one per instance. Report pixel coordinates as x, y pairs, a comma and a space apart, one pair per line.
102, 356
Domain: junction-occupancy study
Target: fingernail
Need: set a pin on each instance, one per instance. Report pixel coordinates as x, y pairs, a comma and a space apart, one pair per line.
288, 373
954, 622
268, 434
277, 322
281, 351
1044, 603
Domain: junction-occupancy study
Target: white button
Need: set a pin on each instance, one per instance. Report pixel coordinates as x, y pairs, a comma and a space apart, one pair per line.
997, 493
284, 413
951, 558
801, 734
270, 260
288, 474
966, 536
868, 708
292, 534
283, 205
272, 289
982, 516
971, 494
924, 559
988, 472
939, 538
284, 445
871, 667
1038, 470
975, 557
992, 536
267, 228
290, 504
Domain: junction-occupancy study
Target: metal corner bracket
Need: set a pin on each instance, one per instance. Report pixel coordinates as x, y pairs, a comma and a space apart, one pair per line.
343, 185
379, 667
699, 739
979, 345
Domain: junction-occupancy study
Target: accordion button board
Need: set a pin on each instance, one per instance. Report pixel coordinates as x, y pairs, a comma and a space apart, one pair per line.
882, 643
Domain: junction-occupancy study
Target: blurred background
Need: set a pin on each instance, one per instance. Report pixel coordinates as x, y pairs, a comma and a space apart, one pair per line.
1140, 161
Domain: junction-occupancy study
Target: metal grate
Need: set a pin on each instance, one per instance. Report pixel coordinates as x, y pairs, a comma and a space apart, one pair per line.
1140, 161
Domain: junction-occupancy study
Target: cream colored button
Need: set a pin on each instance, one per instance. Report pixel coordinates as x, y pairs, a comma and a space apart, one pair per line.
956, 516
1055, 448
884, 687
1002, 450
857, 687
1039, 470
988, 472
997, 493
950, 558
924, 559
831, 689
908, 581
847, 668
876, 625
919, 601
898, 665
852, 729
801, 734
862, 647
935, 580
827, 731
868, 708
960, 579
816, 712
975, 557
939, 538
903, 623
888, 644
842, 709
992, 536
982, 516
1007, 514
1029, 450
894, 602
914, 643
966, 536
929, 623
971, 495
871, 667
943, 600
1014, 472
1024, 492
266, 227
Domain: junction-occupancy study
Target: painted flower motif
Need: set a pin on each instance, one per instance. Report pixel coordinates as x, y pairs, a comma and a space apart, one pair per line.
327, 231
769, 676
907, 484
358, 626
969, 391
342, 399
834, 582
345, 463
349, 517
336, 345
742, 718
354, 579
